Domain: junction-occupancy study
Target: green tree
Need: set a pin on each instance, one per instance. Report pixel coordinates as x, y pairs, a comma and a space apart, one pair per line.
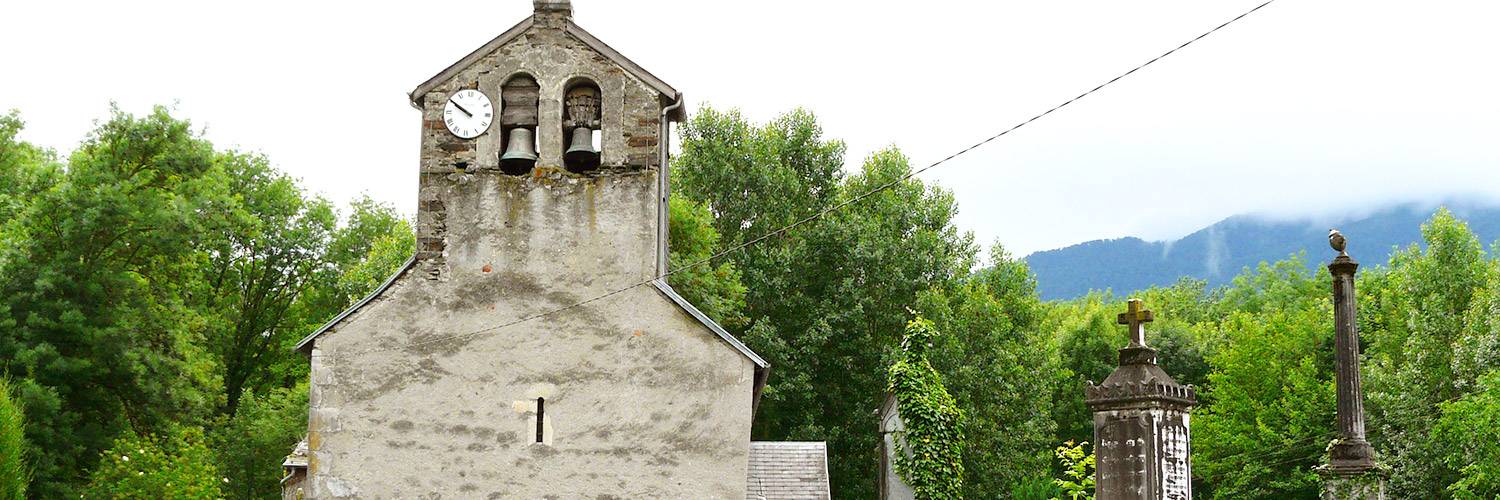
1470, 429
714, 289
1269, 409
1185, 334
1416, 318
757, 179
386, 254
178, 465
1000, 368
1088, 345
827, 300
14, 473
1271, 406
372, 243
365, 251
933, 437
267, 253
27, 169
250, 446
95, 277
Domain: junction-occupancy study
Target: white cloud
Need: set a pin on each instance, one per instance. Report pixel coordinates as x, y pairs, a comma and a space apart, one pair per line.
1307, 106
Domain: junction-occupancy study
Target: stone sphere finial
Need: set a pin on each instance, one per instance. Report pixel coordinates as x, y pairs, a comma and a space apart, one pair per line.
1337, 241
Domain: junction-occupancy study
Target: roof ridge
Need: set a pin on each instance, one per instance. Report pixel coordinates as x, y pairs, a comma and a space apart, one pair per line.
573, 29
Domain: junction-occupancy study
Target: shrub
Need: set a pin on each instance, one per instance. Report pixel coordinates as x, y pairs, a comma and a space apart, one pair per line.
252, 444
1078, 471
179, 465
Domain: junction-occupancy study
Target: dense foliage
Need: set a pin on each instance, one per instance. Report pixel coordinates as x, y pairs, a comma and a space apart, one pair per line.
1470, 427
151, 286
150, 281
931, 442
826, 303
1077, 463
179, 465
823, 298
14, 472
251, 445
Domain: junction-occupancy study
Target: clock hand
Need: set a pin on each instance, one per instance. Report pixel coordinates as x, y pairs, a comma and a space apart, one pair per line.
461, 107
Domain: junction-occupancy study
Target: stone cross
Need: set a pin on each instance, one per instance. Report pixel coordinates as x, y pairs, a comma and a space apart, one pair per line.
1136, 318
1141, 423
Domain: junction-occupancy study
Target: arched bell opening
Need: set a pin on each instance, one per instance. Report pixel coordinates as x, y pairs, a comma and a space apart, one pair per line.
581, 126
518, 121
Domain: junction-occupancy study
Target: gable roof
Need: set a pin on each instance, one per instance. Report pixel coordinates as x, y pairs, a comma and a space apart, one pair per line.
630, 67
710, 323
787, 470
305, 345
762, 368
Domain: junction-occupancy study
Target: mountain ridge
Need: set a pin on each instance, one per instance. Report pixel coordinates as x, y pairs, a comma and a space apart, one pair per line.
1220, 251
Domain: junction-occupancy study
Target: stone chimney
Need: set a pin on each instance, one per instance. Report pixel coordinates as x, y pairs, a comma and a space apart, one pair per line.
553, 13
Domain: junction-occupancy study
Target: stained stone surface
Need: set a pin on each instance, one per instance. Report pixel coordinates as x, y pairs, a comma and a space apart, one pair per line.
431, 389
1142, 424
1346, 485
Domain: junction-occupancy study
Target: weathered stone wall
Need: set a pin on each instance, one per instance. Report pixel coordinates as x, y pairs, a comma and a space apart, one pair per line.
631, 110
1143, 453
641, 400
1368, 485
630, 120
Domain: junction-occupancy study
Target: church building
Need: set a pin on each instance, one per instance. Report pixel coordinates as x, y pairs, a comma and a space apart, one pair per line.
532, 348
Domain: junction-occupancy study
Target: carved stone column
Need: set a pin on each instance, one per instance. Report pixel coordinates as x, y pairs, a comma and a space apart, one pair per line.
1351, 472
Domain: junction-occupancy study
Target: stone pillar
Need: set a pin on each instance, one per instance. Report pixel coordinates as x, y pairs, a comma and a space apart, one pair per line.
1141, 424
1351, 472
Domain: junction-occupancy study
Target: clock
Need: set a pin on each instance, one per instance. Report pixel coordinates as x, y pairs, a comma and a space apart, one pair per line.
468, 113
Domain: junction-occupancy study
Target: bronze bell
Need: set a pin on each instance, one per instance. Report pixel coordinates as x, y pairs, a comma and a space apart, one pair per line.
520, 152
581, 155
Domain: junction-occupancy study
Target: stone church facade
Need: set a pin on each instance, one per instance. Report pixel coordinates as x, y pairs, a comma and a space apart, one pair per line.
530, 348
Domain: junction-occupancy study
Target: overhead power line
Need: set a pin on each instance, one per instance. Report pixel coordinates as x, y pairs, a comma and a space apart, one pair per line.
822, 213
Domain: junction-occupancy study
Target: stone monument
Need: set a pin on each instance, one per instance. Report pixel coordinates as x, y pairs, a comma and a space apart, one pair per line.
1351, 472
1141, 422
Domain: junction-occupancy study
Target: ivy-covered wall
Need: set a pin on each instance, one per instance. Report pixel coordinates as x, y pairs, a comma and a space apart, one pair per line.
933, 435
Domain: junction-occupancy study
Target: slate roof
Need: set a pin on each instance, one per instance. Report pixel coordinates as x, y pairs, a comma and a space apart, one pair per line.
787, 470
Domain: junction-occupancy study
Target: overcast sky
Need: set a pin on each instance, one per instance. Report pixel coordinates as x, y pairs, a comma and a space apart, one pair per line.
1306, 107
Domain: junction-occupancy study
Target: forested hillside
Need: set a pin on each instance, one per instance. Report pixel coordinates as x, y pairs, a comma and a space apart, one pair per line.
152, 285
1219, 252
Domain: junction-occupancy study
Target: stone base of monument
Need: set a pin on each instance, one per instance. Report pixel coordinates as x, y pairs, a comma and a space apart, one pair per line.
1352, 483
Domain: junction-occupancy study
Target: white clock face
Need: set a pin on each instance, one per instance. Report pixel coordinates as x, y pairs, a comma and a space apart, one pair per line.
468, 113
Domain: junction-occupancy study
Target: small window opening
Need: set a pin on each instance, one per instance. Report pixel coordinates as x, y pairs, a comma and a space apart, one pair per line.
583, 118
518, 121
541, 409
